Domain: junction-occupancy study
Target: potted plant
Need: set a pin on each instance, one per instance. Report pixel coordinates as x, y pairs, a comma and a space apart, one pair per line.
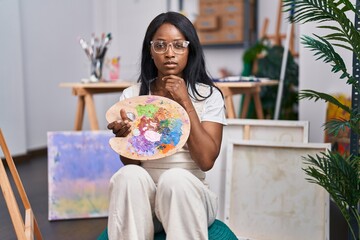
337, 173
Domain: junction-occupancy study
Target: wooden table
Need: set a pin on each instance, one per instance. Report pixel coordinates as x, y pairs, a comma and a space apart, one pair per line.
85, 92
250, 90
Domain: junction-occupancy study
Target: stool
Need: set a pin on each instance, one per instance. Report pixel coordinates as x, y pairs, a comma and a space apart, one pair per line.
217, 231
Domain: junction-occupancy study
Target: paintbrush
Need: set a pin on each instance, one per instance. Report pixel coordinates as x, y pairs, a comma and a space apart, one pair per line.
107, 40
86, 48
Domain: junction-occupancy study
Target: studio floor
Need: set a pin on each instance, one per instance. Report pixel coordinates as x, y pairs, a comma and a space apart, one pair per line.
33, 173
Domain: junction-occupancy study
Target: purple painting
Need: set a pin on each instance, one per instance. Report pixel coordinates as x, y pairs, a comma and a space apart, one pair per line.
80, 165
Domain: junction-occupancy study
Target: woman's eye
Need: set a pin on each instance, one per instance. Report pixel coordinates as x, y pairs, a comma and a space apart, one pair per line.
160, 45
178, 45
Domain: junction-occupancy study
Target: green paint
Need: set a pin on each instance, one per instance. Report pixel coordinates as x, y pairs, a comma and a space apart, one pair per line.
147, 110
165, 123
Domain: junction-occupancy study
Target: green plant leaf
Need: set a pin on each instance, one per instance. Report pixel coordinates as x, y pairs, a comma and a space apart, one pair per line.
347, 5
343, 46
335, 126
311, 94
308, 10
326, 10
354, 121
339, 176
325, 51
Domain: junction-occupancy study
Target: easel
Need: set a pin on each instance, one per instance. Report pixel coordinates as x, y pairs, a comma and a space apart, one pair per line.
288, 47
277, 37
24, 230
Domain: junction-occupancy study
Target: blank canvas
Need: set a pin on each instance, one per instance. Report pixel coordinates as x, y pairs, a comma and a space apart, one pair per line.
252, 129
267, 195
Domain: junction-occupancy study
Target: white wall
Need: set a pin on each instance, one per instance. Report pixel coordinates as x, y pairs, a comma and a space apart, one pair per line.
51, 55
41, 50
128, 29
12, 103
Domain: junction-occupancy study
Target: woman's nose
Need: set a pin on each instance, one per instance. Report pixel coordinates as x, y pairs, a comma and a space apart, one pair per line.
170, 50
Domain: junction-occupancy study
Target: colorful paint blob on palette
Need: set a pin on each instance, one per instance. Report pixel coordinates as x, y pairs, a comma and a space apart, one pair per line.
157, 131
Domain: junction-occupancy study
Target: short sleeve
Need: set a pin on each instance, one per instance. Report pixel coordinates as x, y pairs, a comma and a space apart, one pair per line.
214, 108
129, 92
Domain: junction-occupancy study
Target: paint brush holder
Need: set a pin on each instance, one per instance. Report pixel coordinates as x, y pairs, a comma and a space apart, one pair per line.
96, 51
96, 69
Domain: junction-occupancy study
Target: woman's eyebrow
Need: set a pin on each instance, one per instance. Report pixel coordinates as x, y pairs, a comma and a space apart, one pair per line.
175, 39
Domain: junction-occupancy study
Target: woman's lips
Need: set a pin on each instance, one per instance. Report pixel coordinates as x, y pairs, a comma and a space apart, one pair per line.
170, 63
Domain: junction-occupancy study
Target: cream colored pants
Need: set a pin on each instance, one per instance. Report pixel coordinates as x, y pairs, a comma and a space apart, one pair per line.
180, 204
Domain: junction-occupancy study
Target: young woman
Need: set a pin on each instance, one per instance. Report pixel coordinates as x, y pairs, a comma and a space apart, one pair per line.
170, 193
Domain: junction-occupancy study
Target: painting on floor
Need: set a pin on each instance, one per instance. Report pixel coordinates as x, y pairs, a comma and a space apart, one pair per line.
80, 165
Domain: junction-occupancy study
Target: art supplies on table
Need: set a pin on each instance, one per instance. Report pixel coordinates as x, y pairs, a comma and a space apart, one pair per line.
239, 79
96, 52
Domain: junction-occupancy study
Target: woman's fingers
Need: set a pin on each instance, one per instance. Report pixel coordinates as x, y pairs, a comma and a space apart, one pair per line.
111, 125
177, 87
123, 115
121, 128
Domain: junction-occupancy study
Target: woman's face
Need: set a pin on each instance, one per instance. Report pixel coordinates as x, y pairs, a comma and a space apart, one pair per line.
170, 62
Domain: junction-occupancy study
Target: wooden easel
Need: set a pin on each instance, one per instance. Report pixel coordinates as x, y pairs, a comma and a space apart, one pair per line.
24, 230
277, 37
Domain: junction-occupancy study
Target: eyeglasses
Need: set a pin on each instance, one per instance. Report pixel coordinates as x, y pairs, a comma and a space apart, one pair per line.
178, 46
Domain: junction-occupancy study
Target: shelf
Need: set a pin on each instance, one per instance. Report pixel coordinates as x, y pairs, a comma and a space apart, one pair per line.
228, 29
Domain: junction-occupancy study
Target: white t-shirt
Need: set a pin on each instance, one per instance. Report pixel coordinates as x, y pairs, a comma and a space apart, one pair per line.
212, 109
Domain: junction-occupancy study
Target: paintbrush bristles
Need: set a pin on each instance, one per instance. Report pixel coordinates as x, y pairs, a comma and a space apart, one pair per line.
97, 47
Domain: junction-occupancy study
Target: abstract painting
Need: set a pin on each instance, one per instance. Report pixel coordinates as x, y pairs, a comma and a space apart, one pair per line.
80, 165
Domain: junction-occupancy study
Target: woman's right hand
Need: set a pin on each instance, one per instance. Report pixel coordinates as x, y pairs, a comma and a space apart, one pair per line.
122, 127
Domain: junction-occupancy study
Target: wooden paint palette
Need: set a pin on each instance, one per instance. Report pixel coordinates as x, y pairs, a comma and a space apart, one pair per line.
160, 127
